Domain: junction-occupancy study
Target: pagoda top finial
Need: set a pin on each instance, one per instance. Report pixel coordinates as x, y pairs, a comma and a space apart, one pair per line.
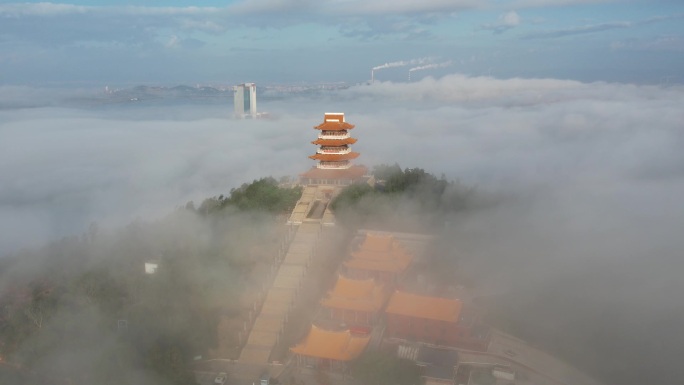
334, 121
334, 117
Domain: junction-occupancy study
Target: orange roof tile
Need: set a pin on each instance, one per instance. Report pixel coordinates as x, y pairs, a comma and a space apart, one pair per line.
334, 157
334, 345
334, 126
390, 266
380, 253
378, 242
334, 142
355, 294
418, 306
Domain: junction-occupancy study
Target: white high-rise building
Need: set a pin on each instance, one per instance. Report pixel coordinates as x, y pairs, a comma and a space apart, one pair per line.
244, 100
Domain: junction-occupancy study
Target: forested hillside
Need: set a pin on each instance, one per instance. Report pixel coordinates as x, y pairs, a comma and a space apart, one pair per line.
83, 310
403, 200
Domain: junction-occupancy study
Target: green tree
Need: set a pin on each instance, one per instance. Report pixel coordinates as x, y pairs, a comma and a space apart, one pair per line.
385, 172
401, 200
351, 196
261, 195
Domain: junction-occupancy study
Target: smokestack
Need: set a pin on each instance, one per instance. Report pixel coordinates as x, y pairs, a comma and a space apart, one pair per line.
429, 66
402, 63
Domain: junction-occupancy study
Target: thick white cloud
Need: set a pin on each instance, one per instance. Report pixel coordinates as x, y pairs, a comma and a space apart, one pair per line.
499, 134
587, 231
63, 169
590, 177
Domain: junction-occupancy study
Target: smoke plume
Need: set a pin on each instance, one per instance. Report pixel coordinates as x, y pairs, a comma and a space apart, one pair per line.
403, 63
431, 66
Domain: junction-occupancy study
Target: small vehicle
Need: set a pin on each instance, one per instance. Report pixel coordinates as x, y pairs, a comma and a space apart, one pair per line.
221, 378
509, 352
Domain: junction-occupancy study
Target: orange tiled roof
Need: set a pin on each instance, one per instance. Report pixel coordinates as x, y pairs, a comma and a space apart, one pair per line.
334, 142
355, 294
380, 253
334, 345
334, 157
334, 126
418, 306
378, 242
390, 266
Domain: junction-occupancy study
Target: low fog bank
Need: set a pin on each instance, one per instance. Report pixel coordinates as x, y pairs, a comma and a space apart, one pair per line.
583, 244
63, 169
589, 272
582, 252
84, 309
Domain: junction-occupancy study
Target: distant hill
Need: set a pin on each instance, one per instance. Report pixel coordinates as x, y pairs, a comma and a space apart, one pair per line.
142, 92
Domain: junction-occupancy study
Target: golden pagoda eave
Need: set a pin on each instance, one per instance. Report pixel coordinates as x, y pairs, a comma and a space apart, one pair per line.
335, 157
334, 142
334, 126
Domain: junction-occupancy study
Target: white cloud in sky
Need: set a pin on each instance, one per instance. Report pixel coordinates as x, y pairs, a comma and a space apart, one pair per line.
401, 6
40, 9
600, 27
510, 19
506, 21
56, 9
462, 88
74, 38
275, 6
553, 3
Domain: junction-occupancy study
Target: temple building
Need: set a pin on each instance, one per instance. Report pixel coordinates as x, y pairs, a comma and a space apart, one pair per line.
329, 350
354, 301
334, 154
380, 257
434, 321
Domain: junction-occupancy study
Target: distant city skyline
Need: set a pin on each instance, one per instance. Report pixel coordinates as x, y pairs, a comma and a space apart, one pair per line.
95, 43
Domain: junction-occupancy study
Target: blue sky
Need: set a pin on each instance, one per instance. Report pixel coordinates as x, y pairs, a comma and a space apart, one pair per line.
89, 43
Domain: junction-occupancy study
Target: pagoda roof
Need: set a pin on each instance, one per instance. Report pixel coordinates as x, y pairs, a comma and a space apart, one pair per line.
389, 265
378, 242
334, 142
418, 306
355, 294
354, 172
380, 253
334, 126
333, 345
334, 157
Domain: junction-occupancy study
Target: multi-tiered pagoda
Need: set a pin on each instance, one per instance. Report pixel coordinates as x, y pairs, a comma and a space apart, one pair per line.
334, 140
334, 153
